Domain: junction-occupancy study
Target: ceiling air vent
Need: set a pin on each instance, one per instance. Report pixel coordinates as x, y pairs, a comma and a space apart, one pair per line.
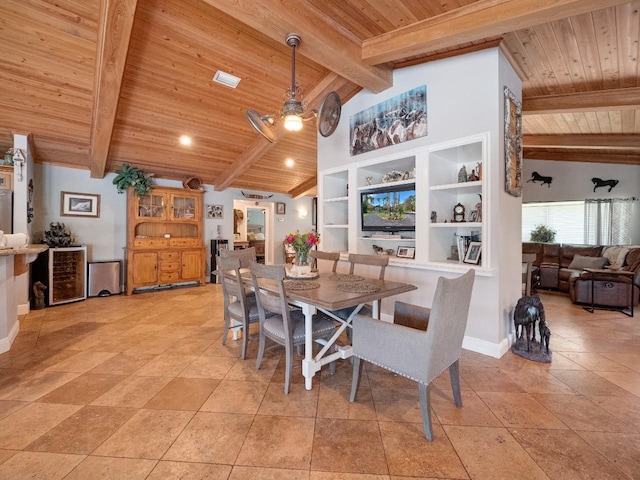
226, 79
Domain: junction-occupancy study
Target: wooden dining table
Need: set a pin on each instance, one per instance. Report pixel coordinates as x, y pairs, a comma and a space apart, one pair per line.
332, 292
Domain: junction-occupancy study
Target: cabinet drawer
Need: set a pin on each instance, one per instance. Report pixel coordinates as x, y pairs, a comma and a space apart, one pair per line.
168, 277
169, 256
169, 266
184, 242
150, 242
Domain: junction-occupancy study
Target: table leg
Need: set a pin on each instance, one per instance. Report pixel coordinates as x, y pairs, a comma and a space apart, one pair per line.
309, 367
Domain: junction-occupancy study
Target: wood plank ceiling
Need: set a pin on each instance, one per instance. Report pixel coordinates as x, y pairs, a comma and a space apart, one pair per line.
99, 83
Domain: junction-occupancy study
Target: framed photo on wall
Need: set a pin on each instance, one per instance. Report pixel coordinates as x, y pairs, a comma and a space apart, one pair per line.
281, 208
79, 205
215, 211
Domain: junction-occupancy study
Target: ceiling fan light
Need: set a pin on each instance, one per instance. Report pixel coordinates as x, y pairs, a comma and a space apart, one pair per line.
293, 123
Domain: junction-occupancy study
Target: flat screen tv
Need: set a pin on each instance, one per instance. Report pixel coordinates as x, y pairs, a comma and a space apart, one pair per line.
389, 209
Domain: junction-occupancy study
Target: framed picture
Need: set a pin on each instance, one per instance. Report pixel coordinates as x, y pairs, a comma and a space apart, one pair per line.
215, 211
473, 253
79, 204
512, 144
314, 211
281, 208
406, 252
473, 216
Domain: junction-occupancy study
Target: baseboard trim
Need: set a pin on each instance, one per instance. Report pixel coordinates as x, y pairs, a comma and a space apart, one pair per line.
24, 309
5, 343
495, 350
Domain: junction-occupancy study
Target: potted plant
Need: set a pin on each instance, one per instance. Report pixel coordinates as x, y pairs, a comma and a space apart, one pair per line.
543, 234
129, 176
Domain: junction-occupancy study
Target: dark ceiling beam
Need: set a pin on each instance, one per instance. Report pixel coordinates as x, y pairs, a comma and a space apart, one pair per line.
584, 156
605, 141
321, 41
594, 101
470, 23
114, 34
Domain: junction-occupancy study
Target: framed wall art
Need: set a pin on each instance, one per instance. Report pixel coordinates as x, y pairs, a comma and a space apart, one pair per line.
512, 144
79, 204
215, 211
281, 208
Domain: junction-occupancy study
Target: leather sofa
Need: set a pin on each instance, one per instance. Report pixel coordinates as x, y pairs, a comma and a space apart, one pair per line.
556, 272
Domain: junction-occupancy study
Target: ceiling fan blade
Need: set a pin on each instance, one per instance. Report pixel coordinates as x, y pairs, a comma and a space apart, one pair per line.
260, 125
329, 114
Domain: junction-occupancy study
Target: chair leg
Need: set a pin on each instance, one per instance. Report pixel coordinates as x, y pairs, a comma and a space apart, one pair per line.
355, 379
454, 375
245, 339
425, 407
289, 367
226, 329
260, 350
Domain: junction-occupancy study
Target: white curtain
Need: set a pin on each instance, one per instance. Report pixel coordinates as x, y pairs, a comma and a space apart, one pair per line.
608, 221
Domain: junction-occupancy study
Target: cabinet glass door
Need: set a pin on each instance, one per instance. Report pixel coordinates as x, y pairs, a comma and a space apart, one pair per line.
183, 207
151, 206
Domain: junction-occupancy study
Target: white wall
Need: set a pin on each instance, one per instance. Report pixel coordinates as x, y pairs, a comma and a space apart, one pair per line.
105, 237
572, 181
464, 97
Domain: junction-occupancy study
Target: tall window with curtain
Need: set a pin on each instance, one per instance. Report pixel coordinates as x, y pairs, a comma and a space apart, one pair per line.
608, 221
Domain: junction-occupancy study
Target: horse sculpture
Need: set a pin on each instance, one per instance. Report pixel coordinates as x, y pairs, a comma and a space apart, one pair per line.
529, 310
598, 182
536, 177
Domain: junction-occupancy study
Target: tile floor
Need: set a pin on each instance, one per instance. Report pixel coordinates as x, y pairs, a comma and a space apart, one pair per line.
140, 387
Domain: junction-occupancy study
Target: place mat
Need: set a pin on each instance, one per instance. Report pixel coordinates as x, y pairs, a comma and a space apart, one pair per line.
345, 277
309, 276
246, 275
300, 285
355, 287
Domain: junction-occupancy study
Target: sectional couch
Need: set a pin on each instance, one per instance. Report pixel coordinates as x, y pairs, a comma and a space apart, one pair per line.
561, 267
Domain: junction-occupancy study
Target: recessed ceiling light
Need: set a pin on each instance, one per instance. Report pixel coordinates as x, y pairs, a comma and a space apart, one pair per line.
289, 162
226, 79
185, 140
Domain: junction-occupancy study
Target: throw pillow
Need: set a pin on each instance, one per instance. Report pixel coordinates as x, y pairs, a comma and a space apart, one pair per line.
580, 262
616, 256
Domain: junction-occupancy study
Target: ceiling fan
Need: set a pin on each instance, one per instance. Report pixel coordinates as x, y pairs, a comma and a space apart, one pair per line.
292, 112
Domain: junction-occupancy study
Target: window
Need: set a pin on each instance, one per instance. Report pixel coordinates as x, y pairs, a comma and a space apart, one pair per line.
566, 218
592, 222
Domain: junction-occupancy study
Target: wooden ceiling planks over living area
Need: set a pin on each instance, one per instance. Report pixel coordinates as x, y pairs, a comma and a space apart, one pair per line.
97, 90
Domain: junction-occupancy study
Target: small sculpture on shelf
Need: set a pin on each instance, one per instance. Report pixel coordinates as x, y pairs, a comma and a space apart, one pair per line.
473, 177
58, 236
479, 170
462, 174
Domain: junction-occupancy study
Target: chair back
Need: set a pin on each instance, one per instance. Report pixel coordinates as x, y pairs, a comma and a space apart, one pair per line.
231, 280
527, 267
320, 255
245, 255
447, 323
375, 260
272, 297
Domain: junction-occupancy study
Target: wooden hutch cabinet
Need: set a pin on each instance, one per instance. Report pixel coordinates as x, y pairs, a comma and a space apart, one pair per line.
165, 238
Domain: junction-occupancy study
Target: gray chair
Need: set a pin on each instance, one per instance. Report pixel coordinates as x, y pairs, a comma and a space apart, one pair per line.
245, 255
239, 306
320, 255
421, 345
286, 326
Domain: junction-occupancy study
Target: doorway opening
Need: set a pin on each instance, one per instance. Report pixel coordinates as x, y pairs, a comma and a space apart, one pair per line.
254, 228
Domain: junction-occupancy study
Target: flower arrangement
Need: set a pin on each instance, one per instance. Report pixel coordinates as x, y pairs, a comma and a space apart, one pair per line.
302, 242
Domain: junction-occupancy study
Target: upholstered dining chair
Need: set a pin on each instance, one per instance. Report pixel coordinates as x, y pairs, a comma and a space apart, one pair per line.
286, 326
421, 344
320, 255
240, 307
245, 255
